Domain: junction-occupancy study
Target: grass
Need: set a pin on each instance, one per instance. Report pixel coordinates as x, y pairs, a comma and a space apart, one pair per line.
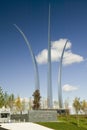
69, 123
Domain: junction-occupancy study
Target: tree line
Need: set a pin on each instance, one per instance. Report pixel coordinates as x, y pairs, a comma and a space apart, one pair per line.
80, 106
16, 104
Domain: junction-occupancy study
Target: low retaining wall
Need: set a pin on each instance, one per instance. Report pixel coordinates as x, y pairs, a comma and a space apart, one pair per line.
19, 118
42, 116
37, 116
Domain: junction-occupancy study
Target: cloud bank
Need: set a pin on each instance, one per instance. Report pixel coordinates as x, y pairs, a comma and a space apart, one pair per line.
56, 51
68, 88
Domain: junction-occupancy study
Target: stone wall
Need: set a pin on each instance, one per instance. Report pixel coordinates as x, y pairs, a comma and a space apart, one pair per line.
42, 116
36, 116
19, 118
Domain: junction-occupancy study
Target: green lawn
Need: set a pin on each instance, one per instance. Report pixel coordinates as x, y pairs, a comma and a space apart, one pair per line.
61, 126
67, 124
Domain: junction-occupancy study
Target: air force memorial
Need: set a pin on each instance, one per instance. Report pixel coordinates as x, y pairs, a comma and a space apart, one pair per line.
36, 74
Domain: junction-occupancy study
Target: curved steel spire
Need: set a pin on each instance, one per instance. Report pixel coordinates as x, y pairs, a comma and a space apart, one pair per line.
33, 58
50, 103
59, 79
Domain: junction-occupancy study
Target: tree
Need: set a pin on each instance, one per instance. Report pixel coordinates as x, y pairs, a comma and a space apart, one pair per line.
36, 101
6, 97
11, 101
84, 106
67, 108
30, 104
1, 98
77, 107
18, 104
66, 104
23, 103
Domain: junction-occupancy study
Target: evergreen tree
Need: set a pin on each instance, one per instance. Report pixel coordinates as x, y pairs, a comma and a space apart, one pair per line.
6, 98
36, 101
11, 101
1, 98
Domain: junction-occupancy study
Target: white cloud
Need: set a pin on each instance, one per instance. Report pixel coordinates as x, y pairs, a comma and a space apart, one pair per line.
70, 58
56, 50
60, 44
68, 88
42, 57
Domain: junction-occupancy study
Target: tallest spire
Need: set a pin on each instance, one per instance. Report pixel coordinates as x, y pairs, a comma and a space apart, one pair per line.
49, 98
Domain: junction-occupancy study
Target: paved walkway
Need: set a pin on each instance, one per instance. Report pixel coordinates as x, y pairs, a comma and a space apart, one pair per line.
23, 126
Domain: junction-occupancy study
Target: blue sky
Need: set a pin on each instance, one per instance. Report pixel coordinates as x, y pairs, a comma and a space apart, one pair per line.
68, 21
